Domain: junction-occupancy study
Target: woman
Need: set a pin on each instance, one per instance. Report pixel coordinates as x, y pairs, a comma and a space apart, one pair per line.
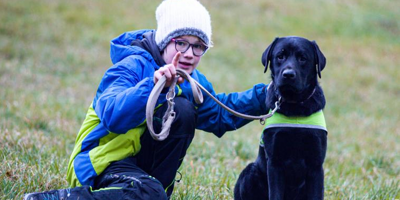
114, 153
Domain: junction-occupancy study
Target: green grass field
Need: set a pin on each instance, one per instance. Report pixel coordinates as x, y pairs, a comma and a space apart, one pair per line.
54, 53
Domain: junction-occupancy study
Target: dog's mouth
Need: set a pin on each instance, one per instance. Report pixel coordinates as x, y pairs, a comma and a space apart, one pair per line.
294, 92
289, 86
290, 90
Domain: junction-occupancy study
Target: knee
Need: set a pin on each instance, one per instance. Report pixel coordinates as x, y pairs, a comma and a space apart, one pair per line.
152, 189
142, 187
185, 110
185, 117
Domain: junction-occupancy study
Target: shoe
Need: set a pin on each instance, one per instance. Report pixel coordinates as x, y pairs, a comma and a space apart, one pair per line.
49, 195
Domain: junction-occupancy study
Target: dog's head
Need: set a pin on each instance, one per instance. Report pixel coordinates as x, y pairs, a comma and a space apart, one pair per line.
295, 63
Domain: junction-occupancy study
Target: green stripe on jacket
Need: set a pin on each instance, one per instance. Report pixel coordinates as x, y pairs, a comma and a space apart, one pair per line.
112, 147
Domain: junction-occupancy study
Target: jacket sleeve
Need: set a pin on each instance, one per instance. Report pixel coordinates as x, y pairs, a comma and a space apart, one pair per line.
121, 99
213, 118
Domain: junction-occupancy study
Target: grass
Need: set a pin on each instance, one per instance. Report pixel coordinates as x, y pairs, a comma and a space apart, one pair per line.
54, 53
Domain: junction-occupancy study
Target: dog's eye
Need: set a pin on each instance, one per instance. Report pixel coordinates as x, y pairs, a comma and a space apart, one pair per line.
280, 57
302, 59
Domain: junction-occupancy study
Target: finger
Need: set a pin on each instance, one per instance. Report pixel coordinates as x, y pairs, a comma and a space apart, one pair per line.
175, 60
172, 70
180, 80
167, 72
157, 77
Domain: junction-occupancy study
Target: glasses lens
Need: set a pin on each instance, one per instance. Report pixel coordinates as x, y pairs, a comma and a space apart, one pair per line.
198, 49
181, 45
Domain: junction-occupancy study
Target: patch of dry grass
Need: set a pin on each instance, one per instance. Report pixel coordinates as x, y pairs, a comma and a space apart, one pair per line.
54, 53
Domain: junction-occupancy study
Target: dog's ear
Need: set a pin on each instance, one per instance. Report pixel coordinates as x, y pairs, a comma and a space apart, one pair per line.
319, 59
266, 56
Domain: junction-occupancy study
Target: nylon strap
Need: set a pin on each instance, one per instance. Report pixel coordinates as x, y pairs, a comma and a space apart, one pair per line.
314, 121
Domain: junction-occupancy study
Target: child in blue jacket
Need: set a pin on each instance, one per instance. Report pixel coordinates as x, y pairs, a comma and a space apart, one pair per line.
114, 154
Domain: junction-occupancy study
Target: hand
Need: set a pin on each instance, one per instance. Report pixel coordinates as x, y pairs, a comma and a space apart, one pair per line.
169, 71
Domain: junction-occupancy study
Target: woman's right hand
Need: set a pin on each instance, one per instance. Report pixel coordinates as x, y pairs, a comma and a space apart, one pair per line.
169, 70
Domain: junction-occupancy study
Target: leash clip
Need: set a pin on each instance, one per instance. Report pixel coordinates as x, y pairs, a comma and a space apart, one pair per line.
277, 106
170, 113
171, 92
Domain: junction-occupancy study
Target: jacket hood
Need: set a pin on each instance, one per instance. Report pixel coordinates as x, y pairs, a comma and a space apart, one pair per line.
128, 44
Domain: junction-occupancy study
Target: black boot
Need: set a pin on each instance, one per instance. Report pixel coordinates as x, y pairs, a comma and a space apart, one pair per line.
84, 192
53, 194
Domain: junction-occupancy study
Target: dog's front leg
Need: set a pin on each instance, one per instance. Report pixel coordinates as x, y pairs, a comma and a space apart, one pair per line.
275, 170
315, 186
316, 145
276, 180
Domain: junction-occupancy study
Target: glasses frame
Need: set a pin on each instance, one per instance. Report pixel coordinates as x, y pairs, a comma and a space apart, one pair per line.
190, 45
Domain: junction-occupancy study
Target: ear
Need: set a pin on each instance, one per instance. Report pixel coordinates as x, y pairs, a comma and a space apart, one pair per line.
266, 56
319, 59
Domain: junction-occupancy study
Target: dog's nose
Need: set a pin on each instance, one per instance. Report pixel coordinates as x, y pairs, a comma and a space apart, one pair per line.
289, 74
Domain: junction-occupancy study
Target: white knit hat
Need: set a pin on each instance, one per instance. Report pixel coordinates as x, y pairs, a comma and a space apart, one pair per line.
182, 17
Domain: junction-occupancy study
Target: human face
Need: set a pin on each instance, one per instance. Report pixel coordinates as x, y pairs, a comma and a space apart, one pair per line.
188, 61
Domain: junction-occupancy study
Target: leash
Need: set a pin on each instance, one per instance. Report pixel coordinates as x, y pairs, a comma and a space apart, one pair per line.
169, 115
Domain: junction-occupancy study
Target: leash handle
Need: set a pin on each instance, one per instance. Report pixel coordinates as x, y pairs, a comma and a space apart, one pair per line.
151, 102
169, 115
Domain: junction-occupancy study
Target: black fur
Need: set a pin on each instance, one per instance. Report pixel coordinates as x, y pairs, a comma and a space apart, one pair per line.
290, 166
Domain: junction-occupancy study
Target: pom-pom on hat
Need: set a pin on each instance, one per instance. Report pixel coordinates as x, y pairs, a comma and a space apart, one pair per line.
182, 17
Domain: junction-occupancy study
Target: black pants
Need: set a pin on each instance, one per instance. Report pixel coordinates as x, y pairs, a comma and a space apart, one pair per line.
151, 173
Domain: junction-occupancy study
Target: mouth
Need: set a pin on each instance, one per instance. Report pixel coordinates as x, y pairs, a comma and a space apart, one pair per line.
185, 65
289, 88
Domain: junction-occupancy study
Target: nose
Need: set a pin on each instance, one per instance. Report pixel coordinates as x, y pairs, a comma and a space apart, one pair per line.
289, 74
189, 52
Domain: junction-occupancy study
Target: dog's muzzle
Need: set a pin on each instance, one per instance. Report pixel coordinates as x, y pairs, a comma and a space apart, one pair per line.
289, 74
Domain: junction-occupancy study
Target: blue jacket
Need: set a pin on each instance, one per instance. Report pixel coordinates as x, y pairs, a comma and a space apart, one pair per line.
116, 118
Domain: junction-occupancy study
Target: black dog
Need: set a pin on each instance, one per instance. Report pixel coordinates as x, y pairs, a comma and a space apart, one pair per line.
293, 144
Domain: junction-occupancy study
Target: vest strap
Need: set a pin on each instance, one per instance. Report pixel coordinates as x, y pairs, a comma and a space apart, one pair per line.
314, 121
296, 126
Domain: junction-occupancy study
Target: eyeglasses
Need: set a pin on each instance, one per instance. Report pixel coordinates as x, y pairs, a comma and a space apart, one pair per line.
198, 49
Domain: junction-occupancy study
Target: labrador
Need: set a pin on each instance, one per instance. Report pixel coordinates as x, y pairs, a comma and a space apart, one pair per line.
293, 144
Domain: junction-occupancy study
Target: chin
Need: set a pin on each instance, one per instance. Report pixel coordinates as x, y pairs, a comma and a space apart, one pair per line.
289, 90
188, 70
